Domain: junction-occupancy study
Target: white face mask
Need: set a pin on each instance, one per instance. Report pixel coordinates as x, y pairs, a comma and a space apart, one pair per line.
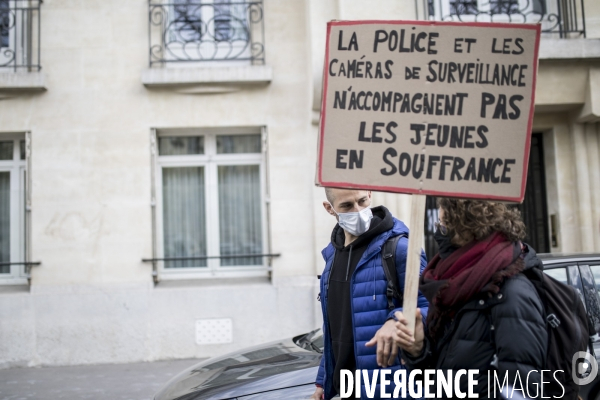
355, 223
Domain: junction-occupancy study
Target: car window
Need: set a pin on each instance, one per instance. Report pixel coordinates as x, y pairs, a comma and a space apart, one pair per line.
596, 272
560, 274
591, 295
575, 279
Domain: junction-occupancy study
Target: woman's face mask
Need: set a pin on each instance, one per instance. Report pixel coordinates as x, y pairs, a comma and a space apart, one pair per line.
444, 241
355, 223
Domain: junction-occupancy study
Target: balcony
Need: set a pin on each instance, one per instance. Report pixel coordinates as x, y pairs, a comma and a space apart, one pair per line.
559, 18
206, 46
20, 47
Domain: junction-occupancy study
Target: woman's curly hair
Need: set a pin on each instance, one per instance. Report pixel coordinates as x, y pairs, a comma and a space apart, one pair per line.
469, 220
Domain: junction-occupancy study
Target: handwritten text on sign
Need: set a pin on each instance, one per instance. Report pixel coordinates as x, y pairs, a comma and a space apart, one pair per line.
431, 108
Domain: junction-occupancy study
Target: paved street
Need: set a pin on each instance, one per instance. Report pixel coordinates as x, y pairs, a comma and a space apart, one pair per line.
138, 381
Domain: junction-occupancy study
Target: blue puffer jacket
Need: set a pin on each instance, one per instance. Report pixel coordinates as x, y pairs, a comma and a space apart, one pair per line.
369, 306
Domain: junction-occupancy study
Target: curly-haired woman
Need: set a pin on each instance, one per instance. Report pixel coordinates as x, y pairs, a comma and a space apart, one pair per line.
484, 314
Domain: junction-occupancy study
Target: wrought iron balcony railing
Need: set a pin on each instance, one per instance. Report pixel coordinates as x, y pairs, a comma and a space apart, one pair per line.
566, 18
20, 35
227, 31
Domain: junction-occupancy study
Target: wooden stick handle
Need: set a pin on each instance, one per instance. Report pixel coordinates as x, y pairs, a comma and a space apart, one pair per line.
413, 259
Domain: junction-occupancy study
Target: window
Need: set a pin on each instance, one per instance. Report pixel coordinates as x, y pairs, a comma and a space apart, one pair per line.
20, 35
575, 279
12, 208
539, 7
504, 7
210, 191
462, 7
560, 274
187, 21
562, 17
208, 30
492, 7
5, 23
200, 32
218, 21
596, 272
591, 294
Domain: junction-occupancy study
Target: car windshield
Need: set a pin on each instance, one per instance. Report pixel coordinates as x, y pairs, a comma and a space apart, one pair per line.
312, 341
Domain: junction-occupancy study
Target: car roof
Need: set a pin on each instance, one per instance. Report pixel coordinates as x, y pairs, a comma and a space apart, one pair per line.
561, 258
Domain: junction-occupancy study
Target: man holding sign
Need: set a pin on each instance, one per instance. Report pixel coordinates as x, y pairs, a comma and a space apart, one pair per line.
358, 319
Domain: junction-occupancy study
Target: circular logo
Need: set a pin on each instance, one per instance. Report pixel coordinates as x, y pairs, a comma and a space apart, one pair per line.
584, 368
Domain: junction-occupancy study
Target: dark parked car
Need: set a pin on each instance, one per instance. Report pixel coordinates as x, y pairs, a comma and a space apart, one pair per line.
287, 369
284, 369
581, 271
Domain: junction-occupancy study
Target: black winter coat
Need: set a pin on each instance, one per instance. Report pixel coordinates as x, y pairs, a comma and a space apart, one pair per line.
506, 333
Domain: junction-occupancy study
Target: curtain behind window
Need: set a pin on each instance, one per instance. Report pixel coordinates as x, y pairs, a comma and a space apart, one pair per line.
5, 221
184, 216
240, 214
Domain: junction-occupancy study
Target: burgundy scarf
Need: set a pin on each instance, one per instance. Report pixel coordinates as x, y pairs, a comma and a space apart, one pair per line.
479, 266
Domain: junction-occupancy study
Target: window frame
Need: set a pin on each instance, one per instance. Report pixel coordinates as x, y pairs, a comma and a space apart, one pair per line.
180, 57
210, 161
19, 187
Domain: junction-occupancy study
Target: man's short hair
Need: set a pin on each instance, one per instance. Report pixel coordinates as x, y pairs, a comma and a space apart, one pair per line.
329, 195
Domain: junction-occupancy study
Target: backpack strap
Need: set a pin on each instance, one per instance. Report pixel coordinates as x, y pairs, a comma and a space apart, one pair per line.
388, 255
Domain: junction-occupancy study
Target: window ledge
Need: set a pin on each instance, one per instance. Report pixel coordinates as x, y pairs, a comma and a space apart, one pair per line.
225, 282
565, 49
19, 83
17, 287
207, 80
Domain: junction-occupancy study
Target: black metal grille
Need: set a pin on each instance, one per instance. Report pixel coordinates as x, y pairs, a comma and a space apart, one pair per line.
206, 30
20, 35
534, 209
563, 17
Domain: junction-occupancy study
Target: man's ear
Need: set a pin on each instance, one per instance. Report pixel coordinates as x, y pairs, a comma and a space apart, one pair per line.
328, 208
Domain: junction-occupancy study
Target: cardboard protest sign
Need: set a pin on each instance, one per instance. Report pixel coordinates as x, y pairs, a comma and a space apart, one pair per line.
439, 108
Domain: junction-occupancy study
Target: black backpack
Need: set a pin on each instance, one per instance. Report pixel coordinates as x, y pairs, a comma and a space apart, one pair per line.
568, 327
388, 255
